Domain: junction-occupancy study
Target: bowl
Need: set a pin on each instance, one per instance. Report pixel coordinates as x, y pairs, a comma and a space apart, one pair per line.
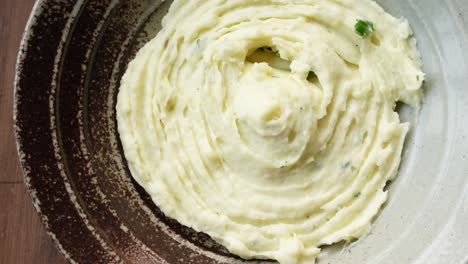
71, 60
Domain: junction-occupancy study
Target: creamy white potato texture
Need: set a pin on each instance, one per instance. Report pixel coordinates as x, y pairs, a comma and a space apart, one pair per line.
270, 125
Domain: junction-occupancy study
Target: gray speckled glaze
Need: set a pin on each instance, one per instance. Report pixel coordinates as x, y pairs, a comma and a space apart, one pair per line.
71, 60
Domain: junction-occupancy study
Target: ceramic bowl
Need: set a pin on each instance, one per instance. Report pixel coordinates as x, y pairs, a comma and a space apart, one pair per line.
72, 58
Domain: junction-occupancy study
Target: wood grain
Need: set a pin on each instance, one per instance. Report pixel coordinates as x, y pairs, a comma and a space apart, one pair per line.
22, 236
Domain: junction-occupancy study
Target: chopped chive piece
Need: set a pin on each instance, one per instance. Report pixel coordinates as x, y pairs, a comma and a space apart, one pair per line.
270, 50
311, 75
356, 195
346, 165
417, 78
266, 49
364, 28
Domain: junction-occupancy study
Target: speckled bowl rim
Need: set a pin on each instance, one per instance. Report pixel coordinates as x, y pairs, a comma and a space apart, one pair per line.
26, 172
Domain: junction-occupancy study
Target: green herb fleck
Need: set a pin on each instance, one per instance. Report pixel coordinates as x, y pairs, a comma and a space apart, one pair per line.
270, 50
356, 195
364, 28
346, 165
417, 78
311, 75
266, 49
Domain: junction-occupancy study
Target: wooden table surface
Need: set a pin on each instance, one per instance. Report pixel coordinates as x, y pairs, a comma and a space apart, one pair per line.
23, 239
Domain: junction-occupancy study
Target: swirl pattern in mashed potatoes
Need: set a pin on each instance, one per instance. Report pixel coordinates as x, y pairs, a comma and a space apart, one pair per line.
270, 125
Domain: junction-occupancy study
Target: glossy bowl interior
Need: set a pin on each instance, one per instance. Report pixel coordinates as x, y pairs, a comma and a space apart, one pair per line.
71, 61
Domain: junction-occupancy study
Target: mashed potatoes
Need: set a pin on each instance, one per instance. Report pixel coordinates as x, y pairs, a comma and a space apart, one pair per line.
270, 125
